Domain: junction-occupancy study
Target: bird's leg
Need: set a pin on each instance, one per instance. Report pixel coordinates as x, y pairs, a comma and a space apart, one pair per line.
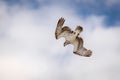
66, 43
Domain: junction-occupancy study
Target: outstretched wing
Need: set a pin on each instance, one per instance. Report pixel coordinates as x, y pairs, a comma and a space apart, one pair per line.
79, 28
84, 52
59, 27
62, 32
79, 49
78, 43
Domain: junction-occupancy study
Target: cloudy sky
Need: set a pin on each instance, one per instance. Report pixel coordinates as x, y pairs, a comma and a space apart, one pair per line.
29, 50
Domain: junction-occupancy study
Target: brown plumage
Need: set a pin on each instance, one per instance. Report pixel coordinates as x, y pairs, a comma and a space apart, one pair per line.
79, 28
66, 28
79, 49
71, 37
59, 27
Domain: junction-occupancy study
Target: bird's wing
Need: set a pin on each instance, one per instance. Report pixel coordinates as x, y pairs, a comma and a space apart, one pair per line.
78, 43
59, 27
78, 29
62, 32
84, 52
79, 49
66, 32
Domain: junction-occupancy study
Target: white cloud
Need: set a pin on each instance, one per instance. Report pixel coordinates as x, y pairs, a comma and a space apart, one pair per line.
29, 51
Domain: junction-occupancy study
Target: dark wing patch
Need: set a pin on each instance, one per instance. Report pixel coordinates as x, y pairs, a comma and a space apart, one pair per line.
59, 27
80, 42
66, 28
79, 28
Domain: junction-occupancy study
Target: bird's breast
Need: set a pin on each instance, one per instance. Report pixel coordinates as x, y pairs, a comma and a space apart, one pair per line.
71, 38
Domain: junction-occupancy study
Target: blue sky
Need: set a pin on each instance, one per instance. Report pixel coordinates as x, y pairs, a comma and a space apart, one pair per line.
108, 8
29, 50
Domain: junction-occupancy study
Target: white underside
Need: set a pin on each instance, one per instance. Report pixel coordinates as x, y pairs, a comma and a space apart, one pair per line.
71, 38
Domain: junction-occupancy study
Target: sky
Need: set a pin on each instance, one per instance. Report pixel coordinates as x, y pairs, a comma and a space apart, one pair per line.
29, 50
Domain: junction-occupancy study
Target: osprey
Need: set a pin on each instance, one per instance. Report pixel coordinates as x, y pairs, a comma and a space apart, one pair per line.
71, 37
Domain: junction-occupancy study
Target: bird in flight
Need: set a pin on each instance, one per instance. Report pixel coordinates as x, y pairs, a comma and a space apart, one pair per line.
72, 37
